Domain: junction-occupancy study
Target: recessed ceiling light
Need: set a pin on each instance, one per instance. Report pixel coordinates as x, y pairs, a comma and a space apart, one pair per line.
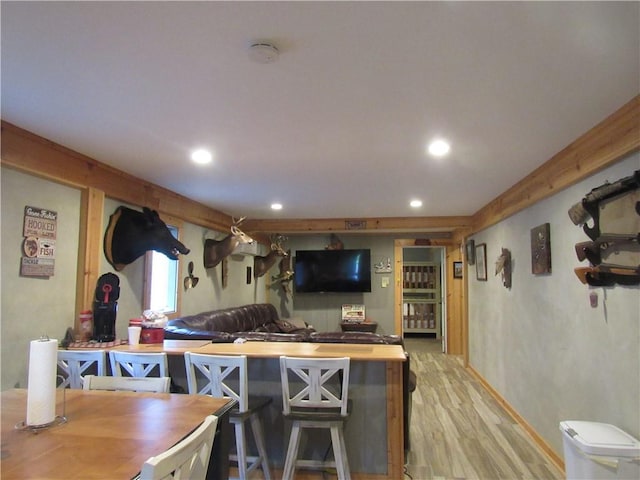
439, 148
201, 156
416, 203
276, 206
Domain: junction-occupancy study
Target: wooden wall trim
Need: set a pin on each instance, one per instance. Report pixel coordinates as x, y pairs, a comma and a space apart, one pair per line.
612, 139
30, 153
395, 437
397, 287
609, 141
431, 226
89, 249
455, 299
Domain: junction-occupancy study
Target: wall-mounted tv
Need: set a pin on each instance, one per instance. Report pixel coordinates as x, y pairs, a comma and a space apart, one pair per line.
340, 271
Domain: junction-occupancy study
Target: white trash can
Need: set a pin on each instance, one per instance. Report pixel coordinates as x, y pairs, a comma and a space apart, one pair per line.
595, 451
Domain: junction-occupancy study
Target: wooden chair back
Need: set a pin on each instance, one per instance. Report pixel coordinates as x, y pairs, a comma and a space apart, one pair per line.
74, 363
138, 364
226, 376
128, 384
309, 383
187, 459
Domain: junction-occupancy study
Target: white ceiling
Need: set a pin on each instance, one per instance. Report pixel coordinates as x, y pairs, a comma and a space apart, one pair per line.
337, 126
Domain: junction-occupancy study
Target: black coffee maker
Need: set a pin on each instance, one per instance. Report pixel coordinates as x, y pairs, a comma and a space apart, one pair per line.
105, 306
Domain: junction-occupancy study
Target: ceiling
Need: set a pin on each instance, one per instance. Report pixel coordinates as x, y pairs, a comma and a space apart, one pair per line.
337, 126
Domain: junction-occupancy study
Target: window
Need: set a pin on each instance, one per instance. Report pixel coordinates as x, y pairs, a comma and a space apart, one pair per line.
161, 281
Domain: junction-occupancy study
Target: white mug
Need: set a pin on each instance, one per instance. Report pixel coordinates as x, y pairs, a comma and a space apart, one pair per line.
134, 335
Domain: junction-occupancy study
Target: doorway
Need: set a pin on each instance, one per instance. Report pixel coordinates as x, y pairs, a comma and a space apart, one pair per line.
421, 312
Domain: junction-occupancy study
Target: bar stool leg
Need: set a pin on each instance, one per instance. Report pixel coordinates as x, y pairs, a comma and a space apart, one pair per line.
340, 452
241, 450
292, 452
256, 426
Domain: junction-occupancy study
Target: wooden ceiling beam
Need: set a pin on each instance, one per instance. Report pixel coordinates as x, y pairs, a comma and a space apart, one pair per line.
608, 142
428, 225
30, 153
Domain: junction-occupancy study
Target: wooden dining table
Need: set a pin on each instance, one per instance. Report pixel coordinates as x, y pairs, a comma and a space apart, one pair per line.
107, 434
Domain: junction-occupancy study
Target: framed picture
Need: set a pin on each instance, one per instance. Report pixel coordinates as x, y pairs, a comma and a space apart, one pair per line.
471, 252
481, 262
457, 269
541, 249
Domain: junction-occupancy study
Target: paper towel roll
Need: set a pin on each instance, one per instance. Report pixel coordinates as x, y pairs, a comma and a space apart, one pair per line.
41, 389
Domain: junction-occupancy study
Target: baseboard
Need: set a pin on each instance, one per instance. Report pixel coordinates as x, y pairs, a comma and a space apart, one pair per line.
555, 459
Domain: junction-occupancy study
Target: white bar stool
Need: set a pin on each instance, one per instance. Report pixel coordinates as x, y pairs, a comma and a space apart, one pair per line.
220, 371
309, 401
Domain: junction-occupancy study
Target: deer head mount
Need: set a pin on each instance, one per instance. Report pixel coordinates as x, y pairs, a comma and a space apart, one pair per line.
334, 243
503, 264
216, 250
261, 265
286, 273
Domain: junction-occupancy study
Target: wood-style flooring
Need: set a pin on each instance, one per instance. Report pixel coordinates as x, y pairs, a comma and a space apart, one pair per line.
458, 431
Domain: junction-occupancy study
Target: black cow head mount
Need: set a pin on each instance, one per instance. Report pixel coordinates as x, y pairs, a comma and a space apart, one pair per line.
131, 233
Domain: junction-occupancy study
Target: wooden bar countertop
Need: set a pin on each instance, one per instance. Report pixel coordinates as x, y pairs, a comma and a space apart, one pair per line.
363, 352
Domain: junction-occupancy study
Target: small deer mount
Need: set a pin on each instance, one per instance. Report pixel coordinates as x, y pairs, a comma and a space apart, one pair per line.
286, 273
216, 250
503, 265
334, 243
262, 265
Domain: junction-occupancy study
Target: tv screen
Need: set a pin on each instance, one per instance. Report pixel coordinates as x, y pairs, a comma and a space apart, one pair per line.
332, 271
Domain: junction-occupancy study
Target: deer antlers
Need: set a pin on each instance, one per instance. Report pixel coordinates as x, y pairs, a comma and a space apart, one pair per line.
262, 264
216, 250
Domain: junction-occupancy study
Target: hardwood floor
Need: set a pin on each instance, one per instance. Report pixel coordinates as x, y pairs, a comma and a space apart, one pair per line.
458, 431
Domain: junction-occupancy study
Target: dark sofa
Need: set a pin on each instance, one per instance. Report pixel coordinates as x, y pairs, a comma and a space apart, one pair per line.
261, 322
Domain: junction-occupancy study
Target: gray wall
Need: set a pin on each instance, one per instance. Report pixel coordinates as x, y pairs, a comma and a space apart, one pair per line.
540, 344
324, 310
32, 307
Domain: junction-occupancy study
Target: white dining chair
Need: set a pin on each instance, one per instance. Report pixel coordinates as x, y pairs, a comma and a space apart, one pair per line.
130, 384
186, 460
138, 364
312, 397
226, 376
73, 364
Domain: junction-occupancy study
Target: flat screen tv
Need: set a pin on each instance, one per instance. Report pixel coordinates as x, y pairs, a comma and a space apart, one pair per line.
339, 271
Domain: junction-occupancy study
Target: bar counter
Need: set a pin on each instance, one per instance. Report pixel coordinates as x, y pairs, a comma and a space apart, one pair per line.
375, 389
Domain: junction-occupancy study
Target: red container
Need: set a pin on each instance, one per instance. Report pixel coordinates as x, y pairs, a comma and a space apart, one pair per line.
152, 335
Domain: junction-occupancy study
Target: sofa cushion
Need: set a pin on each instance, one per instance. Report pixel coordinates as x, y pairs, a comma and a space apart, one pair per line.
171, 332
287, 326
246, 318
355, 337
271, 337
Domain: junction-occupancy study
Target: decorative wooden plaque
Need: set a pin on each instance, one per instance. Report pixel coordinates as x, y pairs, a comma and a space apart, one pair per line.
541, 249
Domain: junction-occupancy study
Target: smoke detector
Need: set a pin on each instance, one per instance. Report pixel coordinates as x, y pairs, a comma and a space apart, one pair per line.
263, 53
